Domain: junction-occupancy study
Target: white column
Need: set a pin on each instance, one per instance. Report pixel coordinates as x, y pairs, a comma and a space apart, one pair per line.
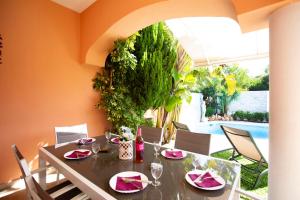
284, 173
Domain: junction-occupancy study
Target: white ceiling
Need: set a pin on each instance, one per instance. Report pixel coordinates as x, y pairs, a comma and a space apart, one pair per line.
210, 40
76, 5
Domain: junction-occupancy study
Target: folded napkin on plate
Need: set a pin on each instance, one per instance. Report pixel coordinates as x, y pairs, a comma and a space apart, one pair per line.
115, 140
174, 154
134, 185
85, 140
206, 180
78, 154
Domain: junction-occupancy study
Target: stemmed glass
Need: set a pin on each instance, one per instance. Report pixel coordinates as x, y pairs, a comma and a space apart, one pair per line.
95, 148
156, 147
107, 136
196, 161
156, 171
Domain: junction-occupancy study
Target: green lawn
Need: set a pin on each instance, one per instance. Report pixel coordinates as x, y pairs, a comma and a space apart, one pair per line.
261, 189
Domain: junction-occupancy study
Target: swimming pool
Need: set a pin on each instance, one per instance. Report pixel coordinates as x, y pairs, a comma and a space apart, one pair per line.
257, 130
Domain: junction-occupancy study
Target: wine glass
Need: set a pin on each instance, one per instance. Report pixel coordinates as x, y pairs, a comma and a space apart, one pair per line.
107, 135
155, 194
95, 148
203, 162
156, 171
156, 148
196, 161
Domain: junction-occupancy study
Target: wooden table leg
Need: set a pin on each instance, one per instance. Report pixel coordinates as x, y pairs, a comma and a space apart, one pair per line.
42, 173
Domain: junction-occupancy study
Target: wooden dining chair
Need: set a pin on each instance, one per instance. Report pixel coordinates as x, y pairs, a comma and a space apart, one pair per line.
35, 190
151, 134
180, 126
193, 142
64, 190
65, 134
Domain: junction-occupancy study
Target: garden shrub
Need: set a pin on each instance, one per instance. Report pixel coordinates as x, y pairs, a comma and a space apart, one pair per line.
238, 115
259, 116
253, 117
266, 116
249, 116
209, 111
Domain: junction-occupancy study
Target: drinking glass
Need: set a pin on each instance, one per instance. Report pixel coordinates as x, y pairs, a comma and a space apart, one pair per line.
203, 162
156, 148
156, 171
107, 135
196, 161
95, 148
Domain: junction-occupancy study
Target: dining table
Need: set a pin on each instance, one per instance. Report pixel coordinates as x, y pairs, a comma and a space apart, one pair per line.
92, 174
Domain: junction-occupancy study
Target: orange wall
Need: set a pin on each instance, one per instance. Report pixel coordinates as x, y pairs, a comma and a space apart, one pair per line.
42, 84
242, 6
101, 15
106, 21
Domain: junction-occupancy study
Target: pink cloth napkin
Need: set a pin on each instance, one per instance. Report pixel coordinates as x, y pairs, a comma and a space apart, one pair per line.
122, 185
174, 154
78, 154
205, 183
85, 140
115, 140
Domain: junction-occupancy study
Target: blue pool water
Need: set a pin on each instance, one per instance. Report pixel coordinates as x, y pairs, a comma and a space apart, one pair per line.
257, 131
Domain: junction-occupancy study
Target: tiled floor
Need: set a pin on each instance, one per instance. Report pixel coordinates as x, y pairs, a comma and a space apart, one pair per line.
17, 190
20, 195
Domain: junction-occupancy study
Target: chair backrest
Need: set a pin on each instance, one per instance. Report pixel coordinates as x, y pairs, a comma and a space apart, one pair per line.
70, 133
34, 189
243, 143
151, 134
180, 126
193, 142
21, 161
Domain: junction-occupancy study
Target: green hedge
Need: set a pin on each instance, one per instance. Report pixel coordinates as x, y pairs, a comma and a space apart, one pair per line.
253, 117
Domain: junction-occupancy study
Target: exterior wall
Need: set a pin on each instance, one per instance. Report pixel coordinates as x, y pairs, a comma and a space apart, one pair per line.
252, 101
120, 20
105, 21
42, 83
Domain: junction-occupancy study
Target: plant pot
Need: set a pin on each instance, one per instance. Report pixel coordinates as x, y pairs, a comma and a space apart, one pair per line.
125, 150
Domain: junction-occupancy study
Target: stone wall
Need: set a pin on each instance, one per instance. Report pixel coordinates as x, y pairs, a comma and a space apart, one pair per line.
252, 101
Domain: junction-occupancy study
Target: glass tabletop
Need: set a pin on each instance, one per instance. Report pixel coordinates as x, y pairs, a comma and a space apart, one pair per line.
100, 169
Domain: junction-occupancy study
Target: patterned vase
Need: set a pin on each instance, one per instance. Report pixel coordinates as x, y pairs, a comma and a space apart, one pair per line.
125, 150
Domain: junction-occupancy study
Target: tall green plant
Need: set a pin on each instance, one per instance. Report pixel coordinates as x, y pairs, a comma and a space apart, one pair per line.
222, 85
151, 82
183, 80
137, 75
261, 82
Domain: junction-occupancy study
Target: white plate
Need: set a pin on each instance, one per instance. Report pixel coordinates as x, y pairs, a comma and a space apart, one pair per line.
113, 181
81, 150
163, 153
93, 140
216, 177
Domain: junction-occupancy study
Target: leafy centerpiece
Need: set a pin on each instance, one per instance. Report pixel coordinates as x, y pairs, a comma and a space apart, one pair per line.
125, 144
